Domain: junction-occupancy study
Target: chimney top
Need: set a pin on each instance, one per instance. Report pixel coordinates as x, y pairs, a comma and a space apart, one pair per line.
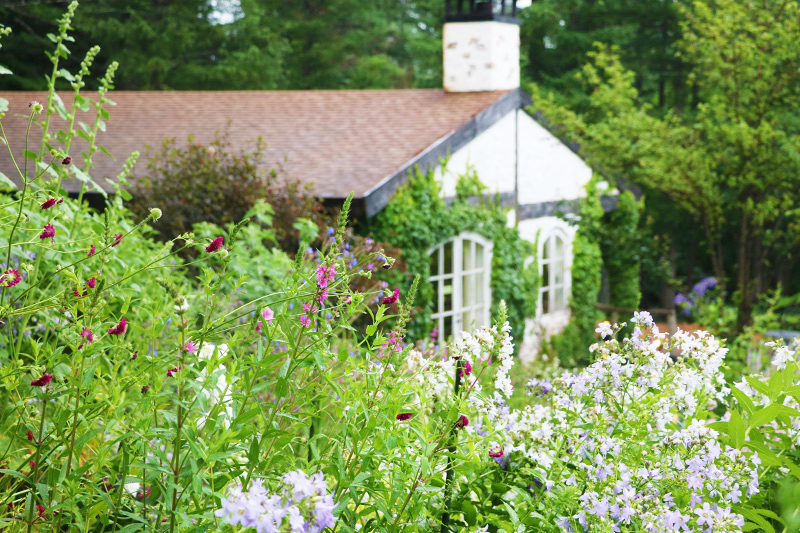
481, 10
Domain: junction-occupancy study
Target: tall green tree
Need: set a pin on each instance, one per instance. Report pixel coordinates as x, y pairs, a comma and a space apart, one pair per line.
557, 34
731, 163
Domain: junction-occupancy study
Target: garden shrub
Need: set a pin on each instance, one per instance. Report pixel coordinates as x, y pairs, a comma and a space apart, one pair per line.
417, 219
622, 251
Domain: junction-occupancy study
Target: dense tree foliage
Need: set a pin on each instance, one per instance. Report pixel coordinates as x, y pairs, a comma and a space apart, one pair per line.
730, 163
254, 44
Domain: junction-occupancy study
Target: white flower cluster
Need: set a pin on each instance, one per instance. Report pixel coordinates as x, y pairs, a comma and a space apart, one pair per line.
303, 506
618, 442
214, 384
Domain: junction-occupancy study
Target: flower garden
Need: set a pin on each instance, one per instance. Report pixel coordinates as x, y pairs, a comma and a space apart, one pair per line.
148, 386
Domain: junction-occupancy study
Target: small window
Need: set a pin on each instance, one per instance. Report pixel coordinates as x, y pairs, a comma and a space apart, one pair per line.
553, 292
460, 272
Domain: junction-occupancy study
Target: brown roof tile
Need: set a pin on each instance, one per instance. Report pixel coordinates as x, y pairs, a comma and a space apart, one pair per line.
340, 141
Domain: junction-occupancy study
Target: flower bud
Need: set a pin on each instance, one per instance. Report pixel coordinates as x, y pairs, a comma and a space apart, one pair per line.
155, 213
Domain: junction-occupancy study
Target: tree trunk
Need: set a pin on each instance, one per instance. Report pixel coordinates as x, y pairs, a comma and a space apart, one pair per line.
744, 283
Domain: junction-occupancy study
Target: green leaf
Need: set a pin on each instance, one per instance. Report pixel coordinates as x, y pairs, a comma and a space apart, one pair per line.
743, 399
765, 415
759, 385
3, 105
470, 513
5, 181
736, 429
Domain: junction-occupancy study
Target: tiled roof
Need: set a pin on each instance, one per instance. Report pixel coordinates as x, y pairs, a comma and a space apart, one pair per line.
340, 141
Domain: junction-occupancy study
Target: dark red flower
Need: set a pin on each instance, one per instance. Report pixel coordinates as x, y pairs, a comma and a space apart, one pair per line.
78, 293
30, 436
40, 509
402, 417
215, 245
462, 421
92, 251
135, 355
145, 389
10, 278
32, 463
92, 282
117, 239
120, 328
49, 232
171, 372
389, 300
50, 202
43, 381
66, 161
465, 370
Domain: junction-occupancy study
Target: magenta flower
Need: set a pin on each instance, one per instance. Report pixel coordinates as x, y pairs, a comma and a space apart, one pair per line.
268, 314
10, 277
30, 436
50, 202
462, 421
215, 245
389, 300
88, 335
43, 381
259, 327
304, 321
120, 328
91, 251
190, 347
402, 417
465, 370
171, 372
78, 293
496, 452
49, 232
92, 282
117, 239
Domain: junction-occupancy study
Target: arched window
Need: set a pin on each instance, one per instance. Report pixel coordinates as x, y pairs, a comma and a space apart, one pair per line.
460, 272
553, 291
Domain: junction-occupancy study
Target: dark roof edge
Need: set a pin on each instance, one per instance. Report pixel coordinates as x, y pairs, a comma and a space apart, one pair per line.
376, 198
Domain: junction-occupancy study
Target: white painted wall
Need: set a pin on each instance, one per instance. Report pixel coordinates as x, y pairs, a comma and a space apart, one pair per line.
548, 171
480, 56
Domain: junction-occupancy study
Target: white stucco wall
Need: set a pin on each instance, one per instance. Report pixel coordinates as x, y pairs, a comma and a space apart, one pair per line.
548, 172
480, 56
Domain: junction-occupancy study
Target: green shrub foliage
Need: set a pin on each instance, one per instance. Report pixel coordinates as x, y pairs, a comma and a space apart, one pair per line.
417, 219
622, 251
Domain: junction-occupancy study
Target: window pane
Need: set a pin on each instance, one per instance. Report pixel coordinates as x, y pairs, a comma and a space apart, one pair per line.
436, 307
559, 251
479, 288
466, 255
435, 263
478, 255
468, 290
545, 275
448, 327
466, 320
448, 258
447, 290
559, 299
545, 302
558, 272
546, 249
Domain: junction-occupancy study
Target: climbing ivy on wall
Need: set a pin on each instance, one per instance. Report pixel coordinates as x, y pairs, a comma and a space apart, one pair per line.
417, 219
571, 346
622, 252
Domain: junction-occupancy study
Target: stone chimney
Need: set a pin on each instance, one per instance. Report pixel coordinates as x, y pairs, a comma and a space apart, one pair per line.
481, 46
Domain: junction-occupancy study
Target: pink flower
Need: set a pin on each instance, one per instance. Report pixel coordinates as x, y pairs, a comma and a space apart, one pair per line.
120, 328
92, 251
190, 347
462, 421
10, 278
92, 282
402, 417
304, 321
117, 239
215, 245
268, 315
50, 202
465, 370
496, 452
49, 232
309, 307
88, 335
43, 381
259, 327
389, 300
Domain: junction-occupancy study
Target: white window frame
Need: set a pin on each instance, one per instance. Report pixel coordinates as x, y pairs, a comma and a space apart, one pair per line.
458, 274
552, 305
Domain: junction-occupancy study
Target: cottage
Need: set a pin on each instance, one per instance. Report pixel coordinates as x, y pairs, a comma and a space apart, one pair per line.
367, 141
